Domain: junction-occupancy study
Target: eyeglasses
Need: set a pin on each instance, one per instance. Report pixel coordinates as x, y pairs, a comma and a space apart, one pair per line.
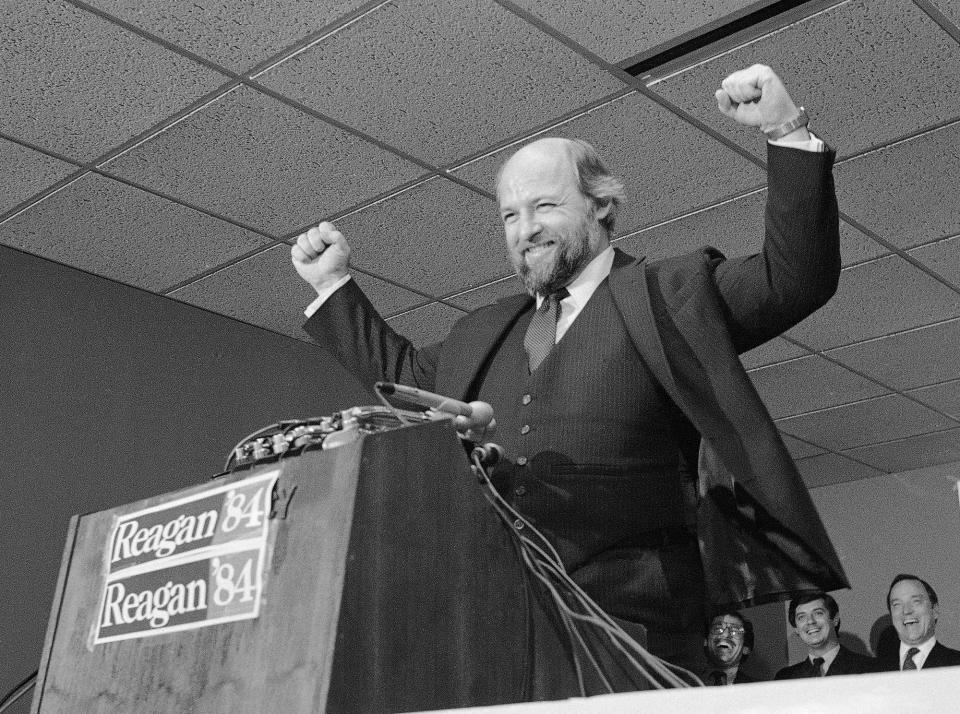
722, 627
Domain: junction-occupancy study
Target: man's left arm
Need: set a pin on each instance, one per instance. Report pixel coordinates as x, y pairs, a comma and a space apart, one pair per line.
798, 268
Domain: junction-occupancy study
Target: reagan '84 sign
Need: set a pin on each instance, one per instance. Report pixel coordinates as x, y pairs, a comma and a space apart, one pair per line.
190, 562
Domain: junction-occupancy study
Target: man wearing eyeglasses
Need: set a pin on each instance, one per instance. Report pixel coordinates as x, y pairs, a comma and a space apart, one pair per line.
728, 642
816, 618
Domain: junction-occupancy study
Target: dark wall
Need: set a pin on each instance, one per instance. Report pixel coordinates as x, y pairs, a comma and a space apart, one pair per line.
109, 394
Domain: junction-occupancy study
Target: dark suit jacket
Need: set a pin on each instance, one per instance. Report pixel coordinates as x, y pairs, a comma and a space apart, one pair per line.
846, 662
940, 656
689, 317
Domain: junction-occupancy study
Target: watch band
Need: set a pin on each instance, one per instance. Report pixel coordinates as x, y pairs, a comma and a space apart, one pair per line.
778, 132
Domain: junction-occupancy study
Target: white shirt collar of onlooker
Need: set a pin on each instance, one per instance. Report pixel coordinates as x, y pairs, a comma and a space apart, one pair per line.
828, 657
920, 657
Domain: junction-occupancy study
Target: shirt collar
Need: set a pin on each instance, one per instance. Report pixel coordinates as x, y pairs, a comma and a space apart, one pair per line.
828, 656
922, 654
584, 285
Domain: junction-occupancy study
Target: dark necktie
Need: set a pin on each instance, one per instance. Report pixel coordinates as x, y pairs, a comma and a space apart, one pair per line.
542, 332
718, 679
908, 663
817, 666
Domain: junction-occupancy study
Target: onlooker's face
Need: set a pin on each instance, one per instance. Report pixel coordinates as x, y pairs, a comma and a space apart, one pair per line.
552, 229
914, 616
815, 626
725, 641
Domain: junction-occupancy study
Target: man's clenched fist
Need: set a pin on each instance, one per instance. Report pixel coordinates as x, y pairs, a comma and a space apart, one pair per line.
321, 256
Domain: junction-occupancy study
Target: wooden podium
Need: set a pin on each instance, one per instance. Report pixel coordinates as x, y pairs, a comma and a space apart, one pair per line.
384, 579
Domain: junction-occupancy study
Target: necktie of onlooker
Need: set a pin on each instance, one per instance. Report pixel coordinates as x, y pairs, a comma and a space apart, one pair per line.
542, 332
818, 666
718, 679
908, 663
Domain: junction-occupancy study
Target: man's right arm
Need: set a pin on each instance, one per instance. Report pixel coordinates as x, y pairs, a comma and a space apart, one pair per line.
347, 324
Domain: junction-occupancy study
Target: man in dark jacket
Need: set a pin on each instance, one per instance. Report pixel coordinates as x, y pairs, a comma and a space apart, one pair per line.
914, 609
635, 440
816, 619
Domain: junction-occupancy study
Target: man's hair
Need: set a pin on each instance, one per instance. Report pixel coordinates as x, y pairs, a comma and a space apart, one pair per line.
931, 593
747, 625
596, 181
593, 179
832, 608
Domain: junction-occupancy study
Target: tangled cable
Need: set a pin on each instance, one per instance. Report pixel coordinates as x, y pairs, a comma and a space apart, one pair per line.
576, 609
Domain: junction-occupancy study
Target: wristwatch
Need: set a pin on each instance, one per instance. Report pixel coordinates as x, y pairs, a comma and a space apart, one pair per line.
780, 131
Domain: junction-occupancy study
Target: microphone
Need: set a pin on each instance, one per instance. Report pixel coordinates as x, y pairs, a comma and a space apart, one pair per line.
479, 414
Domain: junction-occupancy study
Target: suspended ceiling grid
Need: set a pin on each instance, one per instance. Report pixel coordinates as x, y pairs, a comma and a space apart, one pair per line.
178, 147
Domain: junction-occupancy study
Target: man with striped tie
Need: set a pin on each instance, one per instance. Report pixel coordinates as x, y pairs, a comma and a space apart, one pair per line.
634, 440
914, 609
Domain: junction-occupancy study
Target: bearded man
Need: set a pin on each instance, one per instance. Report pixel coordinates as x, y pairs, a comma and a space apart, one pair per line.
634, 439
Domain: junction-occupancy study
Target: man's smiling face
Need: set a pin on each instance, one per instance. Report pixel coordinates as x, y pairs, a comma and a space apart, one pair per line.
815, 626
552, 229
914, 615
725, 641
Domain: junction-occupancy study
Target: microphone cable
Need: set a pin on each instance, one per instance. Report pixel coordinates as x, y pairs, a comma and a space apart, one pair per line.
576, 609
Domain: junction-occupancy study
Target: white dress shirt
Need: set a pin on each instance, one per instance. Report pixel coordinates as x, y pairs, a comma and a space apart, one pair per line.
828, 658
920, 657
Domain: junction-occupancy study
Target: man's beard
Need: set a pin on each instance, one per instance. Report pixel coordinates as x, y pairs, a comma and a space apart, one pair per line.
571, 257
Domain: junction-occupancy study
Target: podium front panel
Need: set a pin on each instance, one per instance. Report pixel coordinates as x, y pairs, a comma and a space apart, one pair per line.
385, 580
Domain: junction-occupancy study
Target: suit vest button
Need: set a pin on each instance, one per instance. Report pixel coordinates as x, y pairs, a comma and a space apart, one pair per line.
525, 429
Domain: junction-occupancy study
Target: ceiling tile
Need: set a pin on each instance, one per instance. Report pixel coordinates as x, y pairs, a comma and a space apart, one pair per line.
839, 64
667, 166
776, 350
619, 29
868, 422
438, 237
736, 228
389, 299
908, 359
111, 229
427, 324
876, 298
950, 8
487, 294
915, 452
265, 290
943, 397
80, 85
828, 469
800, 449
233, 33
441, 79
26, 172
785, 387
942, 257
906, 193
261, 162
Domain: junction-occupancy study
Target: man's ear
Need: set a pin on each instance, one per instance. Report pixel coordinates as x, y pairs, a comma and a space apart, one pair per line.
746, 650
600, 210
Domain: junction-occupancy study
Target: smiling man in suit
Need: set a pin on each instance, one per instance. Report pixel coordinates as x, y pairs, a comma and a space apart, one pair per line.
816, 619
915, 609
634, 439
728, 643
